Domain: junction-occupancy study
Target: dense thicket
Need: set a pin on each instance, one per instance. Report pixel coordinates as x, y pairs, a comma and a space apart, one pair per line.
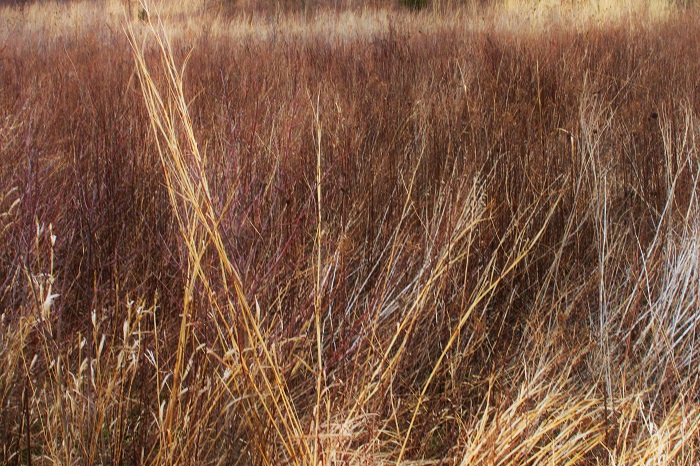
508, 236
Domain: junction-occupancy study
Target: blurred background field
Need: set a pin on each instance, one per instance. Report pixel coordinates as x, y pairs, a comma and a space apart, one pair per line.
310, 232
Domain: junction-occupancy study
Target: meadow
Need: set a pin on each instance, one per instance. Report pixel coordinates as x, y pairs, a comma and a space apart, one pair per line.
340, 232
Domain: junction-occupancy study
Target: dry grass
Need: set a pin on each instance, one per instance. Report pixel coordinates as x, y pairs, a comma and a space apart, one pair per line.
292, 235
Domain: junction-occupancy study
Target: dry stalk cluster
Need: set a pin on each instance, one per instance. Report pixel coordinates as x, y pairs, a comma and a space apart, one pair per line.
323, 235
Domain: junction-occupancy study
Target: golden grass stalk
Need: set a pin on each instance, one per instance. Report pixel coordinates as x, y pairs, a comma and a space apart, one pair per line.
187, 185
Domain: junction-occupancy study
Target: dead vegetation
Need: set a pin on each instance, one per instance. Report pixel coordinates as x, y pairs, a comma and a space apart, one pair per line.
350, 237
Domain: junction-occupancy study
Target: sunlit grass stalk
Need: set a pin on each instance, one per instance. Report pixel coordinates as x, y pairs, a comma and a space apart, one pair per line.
318, 296
191, 202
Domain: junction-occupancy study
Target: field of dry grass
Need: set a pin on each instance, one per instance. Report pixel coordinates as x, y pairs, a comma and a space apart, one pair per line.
353, 235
